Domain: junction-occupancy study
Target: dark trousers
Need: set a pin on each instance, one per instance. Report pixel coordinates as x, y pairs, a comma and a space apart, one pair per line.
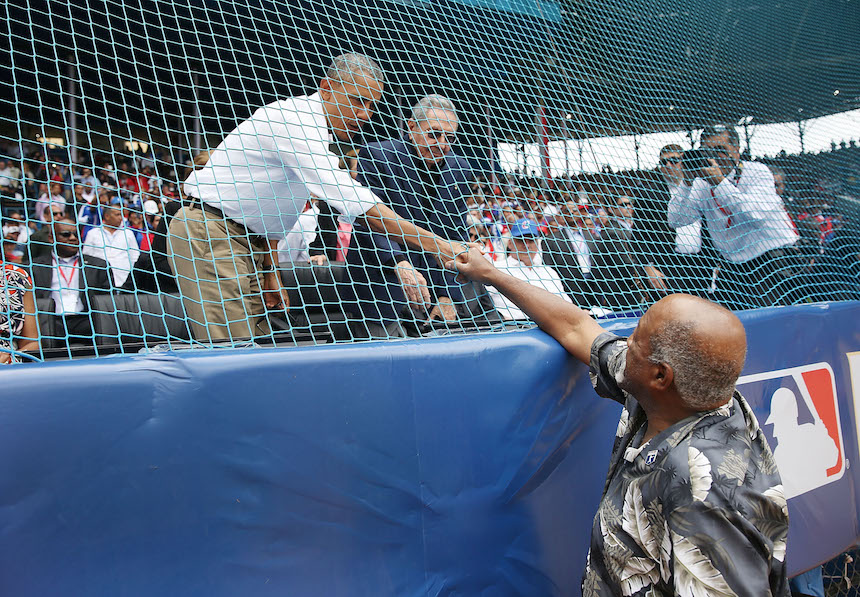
777, 277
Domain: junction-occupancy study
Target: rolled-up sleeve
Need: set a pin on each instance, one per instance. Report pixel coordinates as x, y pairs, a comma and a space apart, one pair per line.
318, 169
608, 359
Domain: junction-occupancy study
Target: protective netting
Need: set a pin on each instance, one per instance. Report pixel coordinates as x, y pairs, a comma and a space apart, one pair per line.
554, 134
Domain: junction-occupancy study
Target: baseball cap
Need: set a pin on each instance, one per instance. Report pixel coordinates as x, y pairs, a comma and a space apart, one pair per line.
150, 207
525, 227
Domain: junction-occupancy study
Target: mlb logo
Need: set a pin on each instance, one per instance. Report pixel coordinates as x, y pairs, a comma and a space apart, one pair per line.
802, 424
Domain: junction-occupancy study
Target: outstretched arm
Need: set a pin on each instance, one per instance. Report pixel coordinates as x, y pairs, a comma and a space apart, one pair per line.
572, 327
382, 218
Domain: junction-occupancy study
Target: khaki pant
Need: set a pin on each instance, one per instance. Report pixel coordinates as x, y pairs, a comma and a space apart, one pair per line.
216, 269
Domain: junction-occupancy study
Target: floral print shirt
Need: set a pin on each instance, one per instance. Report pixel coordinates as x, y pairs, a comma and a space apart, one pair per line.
698, 511
14, 283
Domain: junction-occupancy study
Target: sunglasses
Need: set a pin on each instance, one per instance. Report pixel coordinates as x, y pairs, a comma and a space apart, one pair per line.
671, 160
437, 135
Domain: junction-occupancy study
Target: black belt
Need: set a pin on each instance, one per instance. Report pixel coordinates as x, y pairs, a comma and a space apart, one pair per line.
255, 239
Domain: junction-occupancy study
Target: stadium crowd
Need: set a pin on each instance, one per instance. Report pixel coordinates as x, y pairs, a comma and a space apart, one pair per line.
610, 242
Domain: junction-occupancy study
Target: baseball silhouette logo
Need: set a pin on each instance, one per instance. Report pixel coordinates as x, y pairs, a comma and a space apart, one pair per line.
802, 424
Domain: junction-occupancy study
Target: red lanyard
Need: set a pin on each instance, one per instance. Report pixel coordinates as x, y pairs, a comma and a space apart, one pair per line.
68, 280
726, 211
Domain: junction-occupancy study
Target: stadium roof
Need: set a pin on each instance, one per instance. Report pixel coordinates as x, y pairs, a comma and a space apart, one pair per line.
616, 67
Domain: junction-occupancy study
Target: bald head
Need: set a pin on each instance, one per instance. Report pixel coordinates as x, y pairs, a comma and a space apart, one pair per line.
704, 344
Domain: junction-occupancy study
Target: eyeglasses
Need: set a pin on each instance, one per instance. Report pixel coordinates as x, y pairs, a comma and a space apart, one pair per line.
670, 160
437, 135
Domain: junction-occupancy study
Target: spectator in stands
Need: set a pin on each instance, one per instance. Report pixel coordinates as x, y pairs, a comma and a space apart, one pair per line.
87, 180
7, 177
47, 198
19, 329
17, 232
114, 243
523, 262
90, 216
565, 249
756, 239
686, 256
662, 527
623, 281
222, 243
58, 276
40, 241
424, 180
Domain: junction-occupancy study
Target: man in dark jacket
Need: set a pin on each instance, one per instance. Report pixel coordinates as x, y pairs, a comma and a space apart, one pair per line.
71, 279
422, 179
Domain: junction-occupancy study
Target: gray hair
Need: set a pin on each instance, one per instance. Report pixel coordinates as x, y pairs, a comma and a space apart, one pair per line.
703, 380
351, 65
433, 101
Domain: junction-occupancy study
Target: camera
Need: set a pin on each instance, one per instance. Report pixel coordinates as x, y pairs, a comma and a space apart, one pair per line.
695, 160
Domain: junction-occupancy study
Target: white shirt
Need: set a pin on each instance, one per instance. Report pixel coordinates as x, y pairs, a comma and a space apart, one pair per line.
540, 275
295, 246
66, 285
117, 247
745, 216
580, 245
688, 239
264, 172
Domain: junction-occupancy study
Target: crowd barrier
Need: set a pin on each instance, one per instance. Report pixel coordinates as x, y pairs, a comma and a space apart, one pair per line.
447, 466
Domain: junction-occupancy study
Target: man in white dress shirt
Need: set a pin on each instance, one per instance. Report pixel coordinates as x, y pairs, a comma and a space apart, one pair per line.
747, 222
253, 189
523, 261
114, 243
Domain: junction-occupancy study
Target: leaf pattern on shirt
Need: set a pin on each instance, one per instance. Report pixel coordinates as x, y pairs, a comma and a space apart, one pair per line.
777, 495
769, 515
695, 575
647, 527
681, 434
767, 464
700, 474
622, 423
734, 465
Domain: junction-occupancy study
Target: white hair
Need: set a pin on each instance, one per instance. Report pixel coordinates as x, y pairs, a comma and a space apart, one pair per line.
351, 65
433, 101
703, 380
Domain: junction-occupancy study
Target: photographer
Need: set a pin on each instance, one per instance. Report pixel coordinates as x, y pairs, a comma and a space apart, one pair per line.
746, 220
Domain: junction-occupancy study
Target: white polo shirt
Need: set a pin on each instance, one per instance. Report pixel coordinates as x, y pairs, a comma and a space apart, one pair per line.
266, 170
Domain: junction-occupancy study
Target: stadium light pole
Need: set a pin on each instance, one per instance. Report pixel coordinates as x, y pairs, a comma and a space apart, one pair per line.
567, 118
745, 122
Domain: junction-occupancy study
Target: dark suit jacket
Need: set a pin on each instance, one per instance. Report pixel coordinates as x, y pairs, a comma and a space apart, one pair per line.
559, 253
654, 242
618, 274
393, 171
96, 278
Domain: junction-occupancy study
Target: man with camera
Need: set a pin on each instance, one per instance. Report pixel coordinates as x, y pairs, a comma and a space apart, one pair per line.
746, 220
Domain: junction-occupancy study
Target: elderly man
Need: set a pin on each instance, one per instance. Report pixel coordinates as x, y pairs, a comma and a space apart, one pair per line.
523, 261
693, 502
253, 189
566, 250
423, 180
746, 219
